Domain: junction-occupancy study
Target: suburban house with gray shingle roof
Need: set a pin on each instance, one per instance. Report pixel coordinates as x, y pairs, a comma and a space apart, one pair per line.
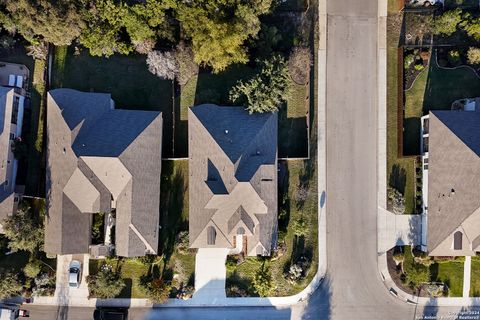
11, 117
101, 159
451, 175
232, 179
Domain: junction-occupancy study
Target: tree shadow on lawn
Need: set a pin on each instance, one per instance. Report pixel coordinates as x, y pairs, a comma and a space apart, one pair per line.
398, 178
171, 208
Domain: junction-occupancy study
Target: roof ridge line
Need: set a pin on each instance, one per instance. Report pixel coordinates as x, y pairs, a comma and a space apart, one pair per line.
139, 235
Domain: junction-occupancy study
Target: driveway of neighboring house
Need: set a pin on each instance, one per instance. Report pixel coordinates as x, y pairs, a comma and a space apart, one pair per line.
62, 291
210, 274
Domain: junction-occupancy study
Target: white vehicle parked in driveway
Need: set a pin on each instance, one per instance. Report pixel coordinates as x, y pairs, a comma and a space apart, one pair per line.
74, 272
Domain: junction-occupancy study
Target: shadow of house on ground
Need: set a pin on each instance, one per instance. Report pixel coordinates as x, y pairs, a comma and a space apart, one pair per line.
173, 212
411, 136
318, 306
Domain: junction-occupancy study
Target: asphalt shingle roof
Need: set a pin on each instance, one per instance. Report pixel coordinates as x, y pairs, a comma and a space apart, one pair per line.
453, 176
233, 175
119, 152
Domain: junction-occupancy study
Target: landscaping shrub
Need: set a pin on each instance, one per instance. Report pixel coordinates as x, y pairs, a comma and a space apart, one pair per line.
44, 285
408, 60
300, 227
267, 90
419, 67
447, 23
263, 281
32, 269
396, 201
106, 284
98, 228
182, 242
236, 291
473, 55
454, 57
158, 290
299, 64
417, 275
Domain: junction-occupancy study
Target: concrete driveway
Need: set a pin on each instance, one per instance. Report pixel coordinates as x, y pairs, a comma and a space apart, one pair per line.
62, 291
210, 274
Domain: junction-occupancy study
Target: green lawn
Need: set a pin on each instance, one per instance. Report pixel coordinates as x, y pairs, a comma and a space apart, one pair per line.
445, 86
395, 163
475, 277
131, 270
450, 273
292, 131
127, 78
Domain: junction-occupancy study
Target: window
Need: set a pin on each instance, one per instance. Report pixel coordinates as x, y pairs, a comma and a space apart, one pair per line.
6, 182
240, 231
457, 240
211, 235
12, 136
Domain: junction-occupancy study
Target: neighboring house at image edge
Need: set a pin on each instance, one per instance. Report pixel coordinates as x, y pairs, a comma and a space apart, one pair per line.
451, 159
100, 159
232, 179
11, 117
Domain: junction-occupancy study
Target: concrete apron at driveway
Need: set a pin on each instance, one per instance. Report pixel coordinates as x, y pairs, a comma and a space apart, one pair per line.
62, 291
210, 274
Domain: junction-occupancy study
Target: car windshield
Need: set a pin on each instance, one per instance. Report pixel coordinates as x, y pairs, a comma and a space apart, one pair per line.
73, 270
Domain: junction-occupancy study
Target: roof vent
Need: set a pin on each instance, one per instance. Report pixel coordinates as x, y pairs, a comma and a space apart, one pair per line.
226, 131
64, 151
83, 144
452, 192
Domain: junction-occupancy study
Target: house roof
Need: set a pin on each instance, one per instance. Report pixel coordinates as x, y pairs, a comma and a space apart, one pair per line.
6, 191
233, 175
453, 175
99, 159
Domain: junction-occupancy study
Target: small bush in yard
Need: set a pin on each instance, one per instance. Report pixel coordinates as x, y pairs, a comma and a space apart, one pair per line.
454, 57
295, 272
263, 282
300, 227
417, 275
44, 285
158, 290
32, 269
408, 60
106, 284
396, 201
299, 64
182, 242
473, 55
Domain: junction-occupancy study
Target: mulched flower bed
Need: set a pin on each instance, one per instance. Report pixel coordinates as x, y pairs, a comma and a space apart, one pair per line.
410, 73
